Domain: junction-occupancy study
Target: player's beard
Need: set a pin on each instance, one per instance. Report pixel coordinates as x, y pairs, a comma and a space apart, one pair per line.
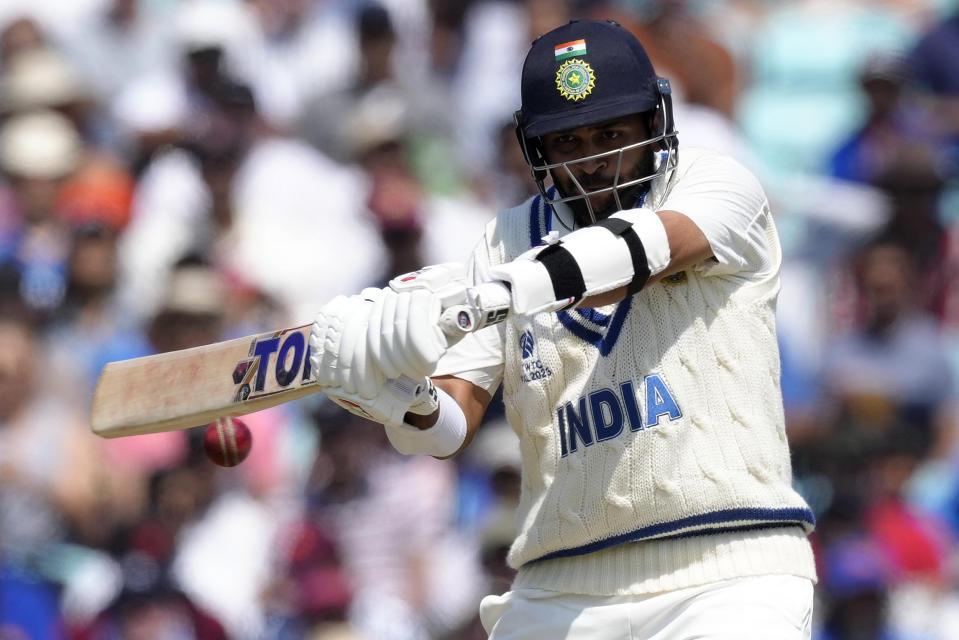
604, 205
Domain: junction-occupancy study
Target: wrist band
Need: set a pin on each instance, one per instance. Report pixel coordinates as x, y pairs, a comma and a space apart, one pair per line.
441, 440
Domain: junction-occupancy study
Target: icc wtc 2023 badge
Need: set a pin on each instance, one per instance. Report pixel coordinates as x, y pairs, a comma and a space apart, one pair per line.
575, 79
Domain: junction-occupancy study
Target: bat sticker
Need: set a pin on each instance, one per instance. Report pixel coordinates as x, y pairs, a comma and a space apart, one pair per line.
276, 361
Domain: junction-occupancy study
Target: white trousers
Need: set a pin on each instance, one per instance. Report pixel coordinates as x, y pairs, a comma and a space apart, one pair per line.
757, 608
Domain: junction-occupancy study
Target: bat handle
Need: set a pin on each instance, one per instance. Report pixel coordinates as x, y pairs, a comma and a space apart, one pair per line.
487, 304
460, 319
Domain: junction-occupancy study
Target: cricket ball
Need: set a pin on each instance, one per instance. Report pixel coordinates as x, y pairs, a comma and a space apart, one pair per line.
227, 441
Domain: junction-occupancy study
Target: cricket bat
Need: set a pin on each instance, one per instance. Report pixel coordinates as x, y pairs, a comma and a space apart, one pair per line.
193, 387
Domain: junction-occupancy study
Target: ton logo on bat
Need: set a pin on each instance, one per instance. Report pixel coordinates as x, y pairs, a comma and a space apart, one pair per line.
285, 354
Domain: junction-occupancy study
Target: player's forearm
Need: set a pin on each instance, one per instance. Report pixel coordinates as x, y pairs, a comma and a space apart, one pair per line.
471, 399
601, 299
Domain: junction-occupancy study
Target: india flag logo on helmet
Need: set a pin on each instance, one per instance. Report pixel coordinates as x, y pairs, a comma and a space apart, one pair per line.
570, 49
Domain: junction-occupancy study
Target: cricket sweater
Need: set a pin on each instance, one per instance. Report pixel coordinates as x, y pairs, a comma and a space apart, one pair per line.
654, 452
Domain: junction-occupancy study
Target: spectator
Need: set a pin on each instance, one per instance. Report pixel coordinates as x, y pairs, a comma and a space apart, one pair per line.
298, 149
681, 47
119, 42
90, 328
21, 33
45, 78
496, 36
420, 211
802, 69
225, 549
938, 81
391, 517
150, 603
891, 370
381, 87
305, 49
313, 590
33, 495
39, 151
56, 481
856, 578
930, 57
234, 193
913, 183
161, 106
893, 124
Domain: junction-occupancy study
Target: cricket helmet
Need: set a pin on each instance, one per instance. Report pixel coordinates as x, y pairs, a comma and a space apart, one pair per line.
585, 73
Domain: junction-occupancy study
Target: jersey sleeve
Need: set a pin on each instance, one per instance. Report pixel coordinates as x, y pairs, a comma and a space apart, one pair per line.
727, 203
478, 357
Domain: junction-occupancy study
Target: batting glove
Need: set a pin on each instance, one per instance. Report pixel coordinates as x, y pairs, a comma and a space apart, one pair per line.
404, 336
338, 346
391, 404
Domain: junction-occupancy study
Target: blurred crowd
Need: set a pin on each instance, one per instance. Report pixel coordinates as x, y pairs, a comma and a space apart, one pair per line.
178, 172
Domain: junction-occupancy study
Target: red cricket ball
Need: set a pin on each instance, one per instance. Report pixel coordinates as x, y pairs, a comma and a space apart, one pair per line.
227, 441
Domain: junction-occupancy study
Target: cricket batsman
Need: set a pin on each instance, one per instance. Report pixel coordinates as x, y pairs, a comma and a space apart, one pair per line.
628, 313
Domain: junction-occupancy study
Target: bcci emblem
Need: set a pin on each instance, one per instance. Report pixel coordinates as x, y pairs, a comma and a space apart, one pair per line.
575, 79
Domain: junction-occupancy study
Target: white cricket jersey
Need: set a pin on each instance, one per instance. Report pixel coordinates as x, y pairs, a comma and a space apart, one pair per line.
655, 419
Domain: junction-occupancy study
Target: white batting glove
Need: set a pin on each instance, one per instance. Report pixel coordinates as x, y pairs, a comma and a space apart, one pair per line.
446, 280
338, 346
394, 399
342, 365
403, 332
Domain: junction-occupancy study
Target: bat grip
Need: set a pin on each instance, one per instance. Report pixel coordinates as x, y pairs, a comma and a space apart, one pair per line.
459, 319
487, 304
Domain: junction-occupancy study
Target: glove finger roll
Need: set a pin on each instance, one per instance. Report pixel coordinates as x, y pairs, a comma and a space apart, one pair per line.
380, 334
422, 345
352, 350
408, 361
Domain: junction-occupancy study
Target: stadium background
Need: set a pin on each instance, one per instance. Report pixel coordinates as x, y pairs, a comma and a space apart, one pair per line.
175, 172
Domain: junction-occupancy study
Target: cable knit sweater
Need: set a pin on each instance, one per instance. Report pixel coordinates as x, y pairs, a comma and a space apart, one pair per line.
650, 422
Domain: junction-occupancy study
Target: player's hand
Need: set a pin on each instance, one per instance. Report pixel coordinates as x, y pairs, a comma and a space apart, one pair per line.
357, 342
446, 280
404, 336
338, 346
390, 405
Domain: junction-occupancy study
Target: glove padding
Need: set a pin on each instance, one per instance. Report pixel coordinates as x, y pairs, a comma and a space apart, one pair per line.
390, 405
446, 280
403, 332
338, 352
358, 342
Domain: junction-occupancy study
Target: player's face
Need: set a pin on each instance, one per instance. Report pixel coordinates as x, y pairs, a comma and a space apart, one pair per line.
579, 176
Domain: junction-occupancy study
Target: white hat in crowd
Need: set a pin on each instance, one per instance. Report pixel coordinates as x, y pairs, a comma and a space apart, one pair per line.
39, 144
202, 24
40, 77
